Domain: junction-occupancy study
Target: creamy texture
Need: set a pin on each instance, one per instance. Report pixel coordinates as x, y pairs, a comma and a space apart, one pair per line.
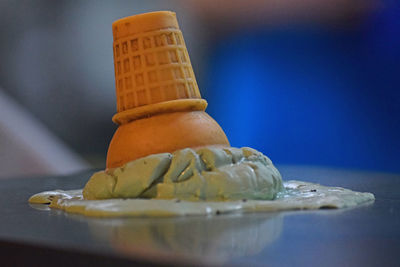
209, 173
204, 181
295, 195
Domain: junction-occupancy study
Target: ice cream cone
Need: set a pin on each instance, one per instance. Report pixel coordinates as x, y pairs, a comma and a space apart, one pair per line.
152, 66
156, 88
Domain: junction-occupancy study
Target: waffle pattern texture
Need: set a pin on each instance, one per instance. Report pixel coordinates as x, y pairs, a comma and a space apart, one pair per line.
151, 61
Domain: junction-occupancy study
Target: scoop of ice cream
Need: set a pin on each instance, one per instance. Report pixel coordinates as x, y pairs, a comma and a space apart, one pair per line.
208, 173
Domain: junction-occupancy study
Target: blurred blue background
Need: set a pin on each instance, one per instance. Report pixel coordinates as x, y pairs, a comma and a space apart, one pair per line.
312, 95
311, 83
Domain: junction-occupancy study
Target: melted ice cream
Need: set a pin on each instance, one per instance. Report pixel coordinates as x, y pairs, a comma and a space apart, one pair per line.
197, 182
212, 174
295, 196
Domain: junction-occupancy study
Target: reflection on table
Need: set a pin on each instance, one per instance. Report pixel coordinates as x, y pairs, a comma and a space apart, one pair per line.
232, 236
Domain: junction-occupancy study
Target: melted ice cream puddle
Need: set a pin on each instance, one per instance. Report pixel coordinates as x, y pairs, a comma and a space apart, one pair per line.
297, 195
197, 182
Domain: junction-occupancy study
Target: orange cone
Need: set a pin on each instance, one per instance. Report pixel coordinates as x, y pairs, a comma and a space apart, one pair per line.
159, 105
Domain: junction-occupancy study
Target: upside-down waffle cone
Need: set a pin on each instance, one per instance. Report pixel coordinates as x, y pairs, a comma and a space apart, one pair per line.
159, 106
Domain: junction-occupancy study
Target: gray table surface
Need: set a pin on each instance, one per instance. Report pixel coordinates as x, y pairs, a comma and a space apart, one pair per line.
368, 235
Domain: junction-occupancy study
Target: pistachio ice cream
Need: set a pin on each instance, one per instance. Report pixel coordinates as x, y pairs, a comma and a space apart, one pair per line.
210, 173
202, 181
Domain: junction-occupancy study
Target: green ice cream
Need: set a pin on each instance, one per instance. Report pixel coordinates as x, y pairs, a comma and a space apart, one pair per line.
209, 173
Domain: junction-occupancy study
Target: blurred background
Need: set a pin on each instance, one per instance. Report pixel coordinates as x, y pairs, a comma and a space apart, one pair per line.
306, 82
